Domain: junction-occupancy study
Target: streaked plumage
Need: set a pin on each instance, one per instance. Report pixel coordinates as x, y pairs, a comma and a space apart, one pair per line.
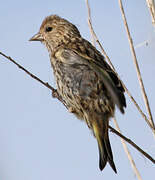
86, 83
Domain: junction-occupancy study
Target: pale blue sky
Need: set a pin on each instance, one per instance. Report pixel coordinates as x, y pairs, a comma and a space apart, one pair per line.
39, 139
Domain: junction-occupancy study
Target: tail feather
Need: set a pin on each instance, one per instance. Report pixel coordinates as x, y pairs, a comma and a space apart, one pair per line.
107, 146
102, 158
105, 152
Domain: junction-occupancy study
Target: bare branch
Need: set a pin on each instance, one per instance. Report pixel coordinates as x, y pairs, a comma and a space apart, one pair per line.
133, 144
54, 91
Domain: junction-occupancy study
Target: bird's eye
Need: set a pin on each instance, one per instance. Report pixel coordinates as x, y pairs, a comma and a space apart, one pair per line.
48, 29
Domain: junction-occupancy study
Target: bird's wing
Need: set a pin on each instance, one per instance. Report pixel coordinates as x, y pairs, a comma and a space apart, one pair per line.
85, 49
71, 56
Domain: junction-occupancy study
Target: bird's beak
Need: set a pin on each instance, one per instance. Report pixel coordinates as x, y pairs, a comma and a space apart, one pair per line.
37, 37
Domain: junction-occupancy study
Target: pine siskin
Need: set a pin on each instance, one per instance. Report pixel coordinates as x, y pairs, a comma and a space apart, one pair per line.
85, 82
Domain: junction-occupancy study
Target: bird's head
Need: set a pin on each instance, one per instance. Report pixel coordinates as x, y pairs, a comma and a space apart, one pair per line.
56, 31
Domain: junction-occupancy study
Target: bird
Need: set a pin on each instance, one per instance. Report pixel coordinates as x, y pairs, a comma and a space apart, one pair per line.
88, 86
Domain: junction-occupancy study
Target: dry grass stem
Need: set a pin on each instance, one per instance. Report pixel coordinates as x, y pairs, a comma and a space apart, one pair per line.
109, 61
128, 152
89, 23
136, 65
151, 7
56, 95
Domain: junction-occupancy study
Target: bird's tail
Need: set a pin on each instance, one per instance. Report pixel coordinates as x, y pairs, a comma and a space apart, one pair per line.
105, 152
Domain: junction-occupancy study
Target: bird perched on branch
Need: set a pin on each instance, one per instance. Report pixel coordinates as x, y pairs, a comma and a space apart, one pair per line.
88, 86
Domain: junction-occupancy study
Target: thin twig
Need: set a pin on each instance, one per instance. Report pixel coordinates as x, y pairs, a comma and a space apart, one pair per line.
136, 65
54, 91
133, 144
133, 165
89, 23
126, 89
56, 95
